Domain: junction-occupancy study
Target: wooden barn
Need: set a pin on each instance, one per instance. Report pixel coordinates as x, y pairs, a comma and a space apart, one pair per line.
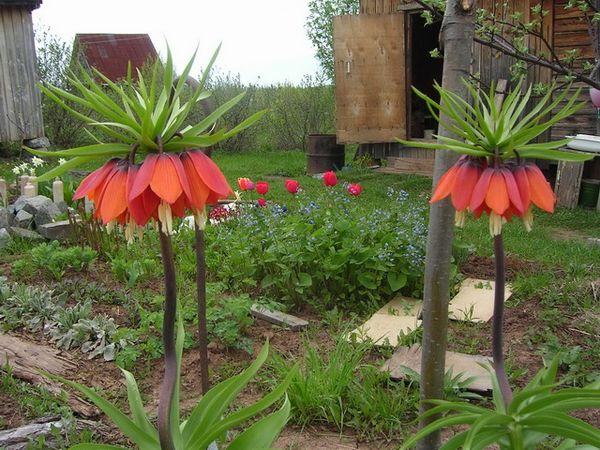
383, 51
111, 53
20, 106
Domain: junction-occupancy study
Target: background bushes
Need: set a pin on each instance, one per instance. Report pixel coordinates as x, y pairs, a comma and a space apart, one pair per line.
294, 110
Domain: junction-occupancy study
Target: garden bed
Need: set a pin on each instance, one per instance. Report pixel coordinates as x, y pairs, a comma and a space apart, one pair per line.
553, 309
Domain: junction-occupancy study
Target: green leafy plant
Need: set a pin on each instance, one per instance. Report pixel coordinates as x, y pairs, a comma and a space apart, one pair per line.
139, 113
54, 260
535, 413
228, 319
485, 129
208, 421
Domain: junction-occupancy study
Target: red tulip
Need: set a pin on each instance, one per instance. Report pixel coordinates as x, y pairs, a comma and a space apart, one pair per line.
243, 184
262, 187
262, 202
355, 189
292, 186
330, 178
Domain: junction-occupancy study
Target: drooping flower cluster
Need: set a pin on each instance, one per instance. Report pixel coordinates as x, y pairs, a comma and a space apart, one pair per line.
502, 191
163, 186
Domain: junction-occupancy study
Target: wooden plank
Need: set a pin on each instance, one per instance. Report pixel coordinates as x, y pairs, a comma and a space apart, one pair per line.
278, 318
409, 165
568, 183
370, 79
27, 360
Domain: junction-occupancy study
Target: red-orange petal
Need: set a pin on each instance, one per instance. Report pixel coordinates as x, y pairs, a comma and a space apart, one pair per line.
165, 181
513, 192
445, 185
497, 195
541, 193
523, 185
210, 174
94, 179
199, 191
114, 200
178, 208
480, 190
143, 176
181, 174
466, 179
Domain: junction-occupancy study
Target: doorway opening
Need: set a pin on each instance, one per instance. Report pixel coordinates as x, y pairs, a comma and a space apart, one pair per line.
423, 71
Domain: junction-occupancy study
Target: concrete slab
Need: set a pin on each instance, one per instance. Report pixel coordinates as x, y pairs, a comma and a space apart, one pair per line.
468, 365
402, 306
475, 301
384, 329
278, 318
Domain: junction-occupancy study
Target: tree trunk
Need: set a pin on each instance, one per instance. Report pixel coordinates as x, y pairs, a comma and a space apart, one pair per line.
456, 37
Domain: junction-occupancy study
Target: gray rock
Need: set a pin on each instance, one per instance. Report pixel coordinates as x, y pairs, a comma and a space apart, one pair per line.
62, 207
23, 219
41, 142
278, 318
6, 218
5, 238
43, 209
25, 234
594, 241
56, 231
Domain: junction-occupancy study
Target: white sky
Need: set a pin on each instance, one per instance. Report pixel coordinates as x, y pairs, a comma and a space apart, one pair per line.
263, 40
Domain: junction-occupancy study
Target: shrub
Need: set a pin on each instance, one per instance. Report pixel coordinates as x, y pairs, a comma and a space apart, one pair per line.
333, 251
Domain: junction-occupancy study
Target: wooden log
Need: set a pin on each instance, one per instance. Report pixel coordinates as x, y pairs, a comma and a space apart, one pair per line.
27, 361
21, 437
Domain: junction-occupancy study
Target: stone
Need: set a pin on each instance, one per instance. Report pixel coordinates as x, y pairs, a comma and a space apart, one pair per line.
56, 231
470, 366
475, 301
41, 142
385, 329
42, 208
23, 219
278, 318
593, 241
23, 233
5, 238
6, 218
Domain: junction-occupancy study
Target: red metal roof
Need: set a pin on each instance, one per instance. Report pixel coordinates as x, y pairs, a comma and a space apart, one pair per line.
110, 53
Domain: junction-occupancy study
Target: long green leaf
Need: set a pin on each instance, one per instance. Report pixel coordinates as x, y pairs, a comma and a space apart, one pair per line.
136, 406
87, 150
263, 433
62, 168
124, 423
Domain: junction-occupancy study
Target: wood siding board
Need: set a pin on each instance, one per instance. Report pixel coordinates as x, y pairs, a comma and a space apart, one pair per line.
20, 110
370, 100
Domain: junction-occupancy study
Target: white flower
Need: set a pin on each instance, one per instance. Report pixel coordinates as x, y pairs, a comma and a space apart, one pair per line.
16, 170
37, 162
61, 161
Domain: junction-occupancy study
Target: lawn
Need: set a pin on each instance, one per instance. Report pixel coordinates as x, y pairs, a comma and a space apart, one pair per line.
341, 398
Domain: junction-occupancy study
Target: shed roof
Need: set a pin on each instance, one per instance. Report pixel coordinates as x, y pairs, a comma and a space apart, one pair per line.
111, 53
30, 4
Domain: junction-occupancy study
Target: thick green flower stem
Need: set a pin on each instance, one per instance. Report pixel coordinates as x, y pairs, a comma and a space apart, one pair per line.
167, 388
202, 329
497, 334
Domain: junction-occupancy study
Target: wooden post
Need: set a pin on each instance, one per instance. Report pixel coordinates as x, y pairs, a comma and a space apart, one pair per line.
4, 192
29, 190
58, 193
568, 183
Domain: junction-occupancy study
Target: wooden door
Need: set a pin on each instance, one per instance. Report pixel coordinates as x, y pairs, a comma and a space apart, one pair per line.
370, 78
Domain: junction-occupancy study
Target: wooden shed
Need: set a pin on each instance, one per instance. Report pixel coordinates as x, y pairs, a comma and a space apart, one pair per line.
20, 106
383, 51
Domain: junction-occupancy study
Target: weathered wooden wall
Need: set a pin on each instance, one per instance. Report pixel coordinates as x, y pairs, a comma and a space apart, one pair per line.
370, 78
20, 108
571, 32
